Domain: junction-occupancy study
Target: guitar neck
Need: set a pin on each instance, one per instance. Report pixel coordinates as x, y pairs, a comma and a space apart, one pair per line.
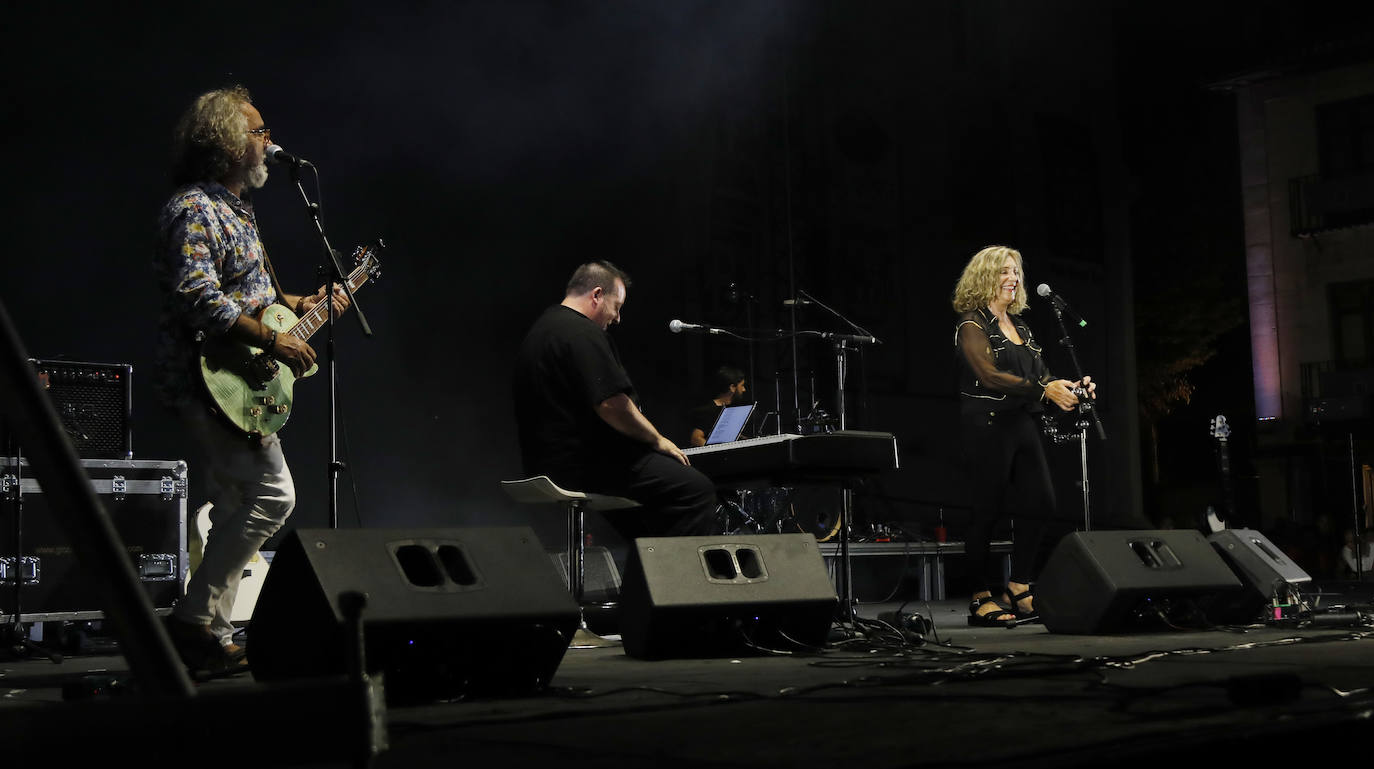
318, 315
1224, 475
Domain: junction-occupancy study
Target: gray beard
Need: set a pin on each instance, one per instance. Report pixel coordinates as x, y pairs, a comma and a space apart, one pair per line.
256, 177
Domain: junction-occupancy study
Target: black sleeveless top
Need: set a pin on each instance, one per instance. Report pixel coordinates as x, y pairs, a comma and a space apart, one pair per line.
997, 375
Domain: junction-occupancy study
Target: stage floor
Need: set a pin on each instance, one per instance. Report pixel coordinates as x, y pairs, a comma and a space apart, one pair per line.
961, 696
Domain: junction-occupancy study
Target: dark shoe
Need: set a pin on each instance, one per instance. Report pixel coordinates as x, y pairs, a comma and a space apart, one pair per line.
200, 650
1014, 602
999, 618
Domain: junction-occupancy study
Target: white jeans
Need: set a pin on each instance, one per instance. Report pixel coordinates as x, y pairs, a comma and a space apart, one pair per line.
252, 491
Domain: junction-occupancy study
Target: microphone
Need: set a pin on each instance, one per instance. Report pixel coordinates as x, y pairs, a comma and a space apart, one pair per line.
677, 327
796, 302
279, 156
1044, 290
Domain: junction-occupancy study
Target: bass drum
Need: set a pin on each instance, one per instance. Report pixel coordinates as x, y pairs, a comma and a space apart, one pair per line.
811, 510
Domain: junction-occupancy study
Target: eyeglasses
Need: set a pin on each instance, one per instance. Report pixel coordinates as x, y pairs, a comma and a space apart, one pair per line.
265, 133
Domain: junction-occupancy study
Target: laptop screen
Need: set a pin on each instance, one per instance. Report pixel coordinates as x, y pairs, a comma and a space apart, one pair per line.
729, 424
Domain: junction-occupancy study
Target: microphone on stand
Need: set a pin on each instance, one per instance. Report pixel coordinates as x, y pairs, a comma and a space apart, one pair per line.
279, 156
1044, 290
677, 327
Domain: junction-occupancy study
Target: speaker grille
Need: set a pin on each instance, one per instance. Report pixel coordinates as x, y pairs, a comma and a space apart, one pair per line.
94, 403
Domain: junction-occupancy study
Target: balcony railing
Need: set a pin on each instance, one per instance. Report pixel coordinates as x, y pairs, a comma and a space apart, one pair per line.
1321, 205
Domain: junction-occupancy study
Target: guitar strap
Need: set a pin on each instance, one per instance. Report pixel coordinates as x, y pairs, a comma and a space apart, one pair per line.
271, 273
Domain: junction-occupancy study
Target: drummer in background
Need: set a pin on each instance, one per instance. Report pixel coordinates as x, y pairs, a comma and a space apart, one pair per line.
728, 386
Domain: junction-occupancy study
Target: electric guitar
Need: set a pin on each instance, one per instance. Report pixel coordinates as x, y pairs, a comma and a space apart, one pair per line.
250, 388
1221, 431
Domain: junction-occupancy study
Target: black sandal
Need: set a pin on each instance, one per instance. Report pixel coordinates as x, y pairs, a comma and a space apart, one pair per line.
1014, 602
991, 618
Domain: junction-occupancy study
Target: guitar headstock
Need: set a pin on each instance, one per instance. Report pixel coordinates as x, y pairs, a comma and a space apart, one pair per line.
1218, 428
366, 259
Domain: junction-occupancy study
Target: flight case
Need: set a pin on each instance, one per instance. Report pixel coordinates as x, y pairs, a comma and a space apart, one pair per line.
146, 501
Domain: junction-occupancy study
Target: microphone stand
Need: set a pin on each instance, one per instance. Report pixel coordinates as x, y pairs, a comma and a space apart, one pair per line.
841, 344
334, 274
1085, 410
749, 301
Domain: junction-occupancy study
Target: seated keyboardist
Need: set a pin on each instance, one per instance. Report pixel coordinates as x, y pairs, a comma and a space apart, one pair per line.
728, 386
580, 423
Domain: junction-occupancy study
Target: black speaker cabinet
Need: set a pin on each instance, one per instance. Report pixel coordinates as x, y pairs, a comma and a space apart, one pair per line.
1263, 570
94, 401
720, 595
449, 612
1103, 582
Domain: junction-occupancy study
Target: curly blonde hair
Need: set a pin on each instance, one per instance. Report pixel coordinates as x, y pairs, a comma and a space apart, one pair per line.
983, 274
211, 136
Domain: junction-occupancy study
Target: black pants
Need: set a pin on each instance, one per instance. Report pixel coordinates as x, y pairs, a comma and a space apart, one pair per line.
1008, 476
678, 500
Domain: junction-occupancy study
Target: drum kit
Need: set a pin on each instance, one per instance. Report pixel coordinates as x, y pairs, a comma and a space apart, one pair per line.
786, 509
811, 510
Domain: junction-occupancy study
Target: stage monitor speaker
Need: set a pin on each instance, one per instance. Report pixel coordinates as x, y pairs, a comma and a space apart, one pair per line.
724, 595
1104, 582
1263, 570
449, 612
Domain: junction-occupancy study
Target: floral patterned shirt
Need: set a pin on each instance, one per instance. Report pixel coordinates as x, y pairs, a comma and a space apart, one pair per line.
210, 266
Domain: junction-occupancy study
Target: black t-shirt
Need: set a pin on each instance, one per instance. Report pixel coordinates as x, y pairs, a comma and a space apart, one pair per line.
566, 367
702, 418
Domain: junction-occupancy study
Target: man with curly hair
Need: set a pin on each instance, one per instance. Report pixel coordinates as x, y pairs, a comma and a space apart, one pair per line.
215, 279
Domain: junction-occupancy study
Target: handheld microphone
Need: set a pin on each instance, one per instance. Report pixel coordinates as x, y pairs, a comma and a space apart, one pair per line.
1044, 290
279, 156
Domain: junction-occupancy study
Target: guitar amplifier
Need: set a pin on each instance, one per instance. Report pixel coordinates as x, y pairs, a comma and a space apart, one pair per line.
94, 402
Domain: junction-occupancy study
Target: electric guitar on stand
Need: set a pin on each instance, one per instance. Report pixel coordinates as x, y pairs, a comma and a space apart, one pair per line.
1221, 431
246, 385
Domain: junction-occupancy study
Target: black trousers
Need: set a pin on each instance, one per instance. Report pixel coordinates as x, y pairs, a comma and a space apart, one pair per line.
677, 499
1008, 476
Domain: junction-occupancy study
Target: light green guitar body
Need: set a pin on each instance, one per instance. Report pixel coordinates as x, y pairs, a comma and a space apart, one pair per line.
250, 390
255, 398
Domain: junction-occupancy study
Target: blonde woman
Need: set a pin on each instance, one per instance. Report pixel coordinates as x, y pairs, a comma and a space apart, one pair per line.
1003, 387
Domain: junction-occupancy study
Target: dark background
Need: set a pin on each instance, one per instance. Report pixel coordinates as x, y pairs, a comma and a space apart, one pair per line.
860, 151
